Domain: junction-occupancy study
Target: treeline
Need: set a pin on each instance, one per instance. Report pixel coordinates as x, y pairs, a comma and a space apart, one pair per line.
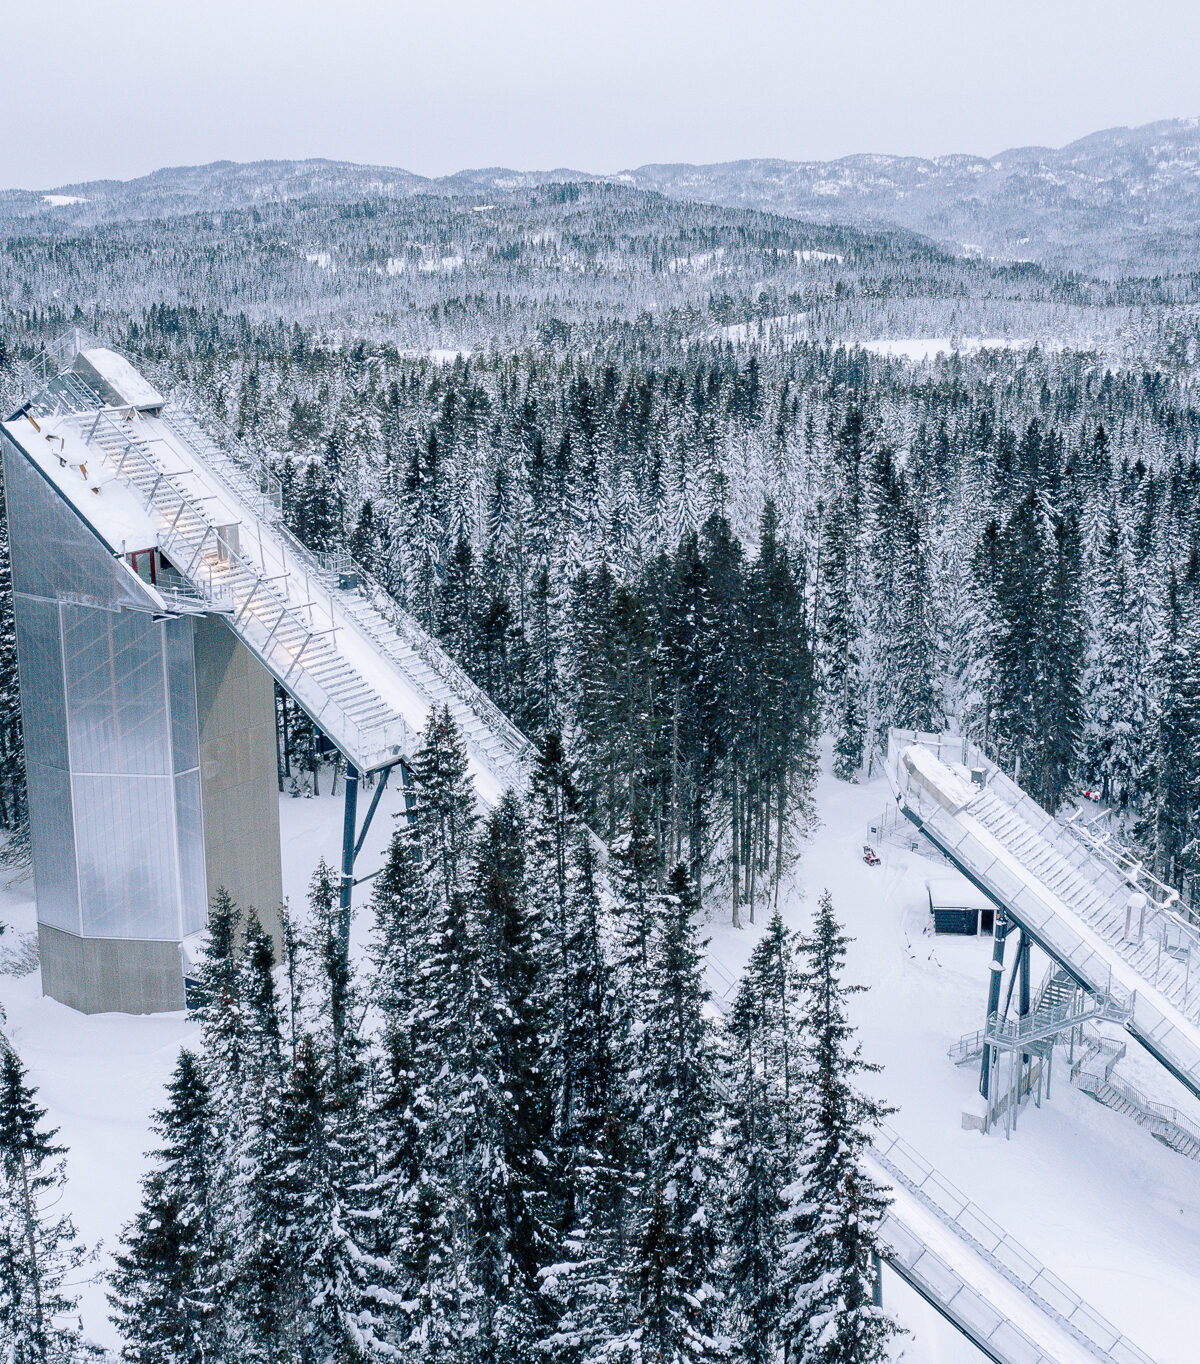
1018, 562
513, 1134
580, 268
1005, 543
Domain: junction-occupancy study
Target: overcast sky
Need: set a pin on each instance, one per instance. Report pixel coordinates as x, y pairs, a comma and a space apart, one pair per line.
116, 88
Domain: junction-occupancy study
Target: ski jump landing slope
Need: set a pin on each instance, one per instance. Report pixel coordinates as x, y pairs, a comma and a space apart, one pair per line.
972, 1271
360, 667
1075, 906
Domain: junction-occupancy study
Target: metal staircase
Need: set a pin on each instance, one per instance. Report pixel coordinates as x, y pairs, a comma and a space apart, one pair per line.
1092, 1073
396, 635
363, 670
1117, 933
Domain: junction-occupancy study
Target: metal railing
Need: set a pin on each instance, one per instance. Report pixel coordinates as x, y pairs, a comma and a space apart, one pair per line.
1039, 911
1171, 1126
1002, 1252
510, 751
1048, 1022
216, 566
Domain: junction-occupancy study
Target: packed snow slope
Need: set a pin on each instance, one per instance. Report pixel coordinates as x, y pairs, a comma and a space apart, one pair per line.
1111, 1211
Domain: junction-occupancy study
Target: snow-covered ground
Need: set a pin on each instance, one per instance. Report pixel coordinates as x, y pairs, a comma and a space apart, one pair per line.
1090, 1194
1094, 1197
920, 348
101, 1077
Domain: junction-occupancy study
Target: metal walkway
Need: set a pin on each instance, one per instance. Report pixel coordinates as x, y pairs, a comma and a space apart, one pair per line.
1116, 932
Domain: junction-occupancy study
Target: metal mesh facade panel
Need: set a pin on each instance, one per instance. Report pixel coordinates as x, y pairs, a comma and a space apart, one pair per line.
125, 845
181, 691
53, 839
189, 822
44, 713
109, 710
116, 692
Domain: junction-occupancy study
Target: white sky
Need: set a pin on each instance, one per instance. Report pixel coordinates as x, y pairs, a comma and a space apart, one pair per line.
117, 88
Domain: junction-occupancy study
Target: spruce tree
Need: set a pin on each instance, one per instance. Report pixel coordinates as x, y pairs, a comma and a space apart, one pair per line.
39, 1252
167, 1294
762, 1068
673, 1240
834, 1208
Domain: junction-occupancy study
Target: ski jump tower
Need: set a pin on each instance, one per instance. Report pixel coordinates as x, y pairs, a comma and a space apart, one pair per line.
158, 599
1125, 949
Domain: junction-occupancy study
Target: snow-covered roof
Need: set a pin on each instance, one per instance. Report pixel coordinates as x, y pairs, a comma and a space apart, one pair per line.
949, 789
108, 505
116, 379
956, 892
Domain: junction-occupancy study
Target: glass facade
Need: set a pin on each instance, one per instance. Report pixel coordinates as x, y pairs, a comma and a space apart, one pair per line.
110, 719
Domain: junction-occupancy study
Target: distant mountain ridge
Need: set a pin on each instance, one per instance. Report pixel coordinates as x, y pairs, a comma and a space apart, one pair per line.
1121, 201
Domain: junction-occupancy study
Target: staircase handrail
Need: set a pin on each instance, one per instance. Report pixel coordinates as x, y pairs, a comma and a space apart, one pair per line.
1109, 848
1154, 1111
372, 746
1048, 1022
520, 749
969, 1047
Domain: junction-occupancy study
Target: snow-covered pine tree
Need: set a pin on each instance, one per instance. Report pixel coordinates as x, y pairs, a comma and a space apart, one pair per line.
1038, 644
974, 634
834, 1208
166, 1289
762, 1067
444, 809
1176, 692
1116, 703
838, 639
459, 605
1062, 644
673, 1235
511, 1196
553, 825
39, 1252
783, 724
453, 1029
218, 989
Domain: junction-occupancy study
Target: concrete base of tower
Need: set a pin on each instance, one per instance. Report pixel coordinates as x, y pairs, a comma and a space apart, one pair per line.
111, 975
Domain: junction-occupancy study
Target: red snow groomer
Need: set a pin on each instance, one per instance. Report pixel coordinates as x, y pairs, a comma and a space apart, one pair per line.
870, 856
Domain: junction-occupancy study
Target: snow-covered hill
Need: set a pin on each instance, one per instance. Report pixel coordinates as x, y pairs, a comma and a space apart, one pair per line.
1121, 201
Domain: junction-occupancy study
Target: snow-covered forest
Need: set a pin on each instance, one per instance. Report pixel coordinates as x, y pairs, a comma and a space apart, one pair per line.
636, 464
